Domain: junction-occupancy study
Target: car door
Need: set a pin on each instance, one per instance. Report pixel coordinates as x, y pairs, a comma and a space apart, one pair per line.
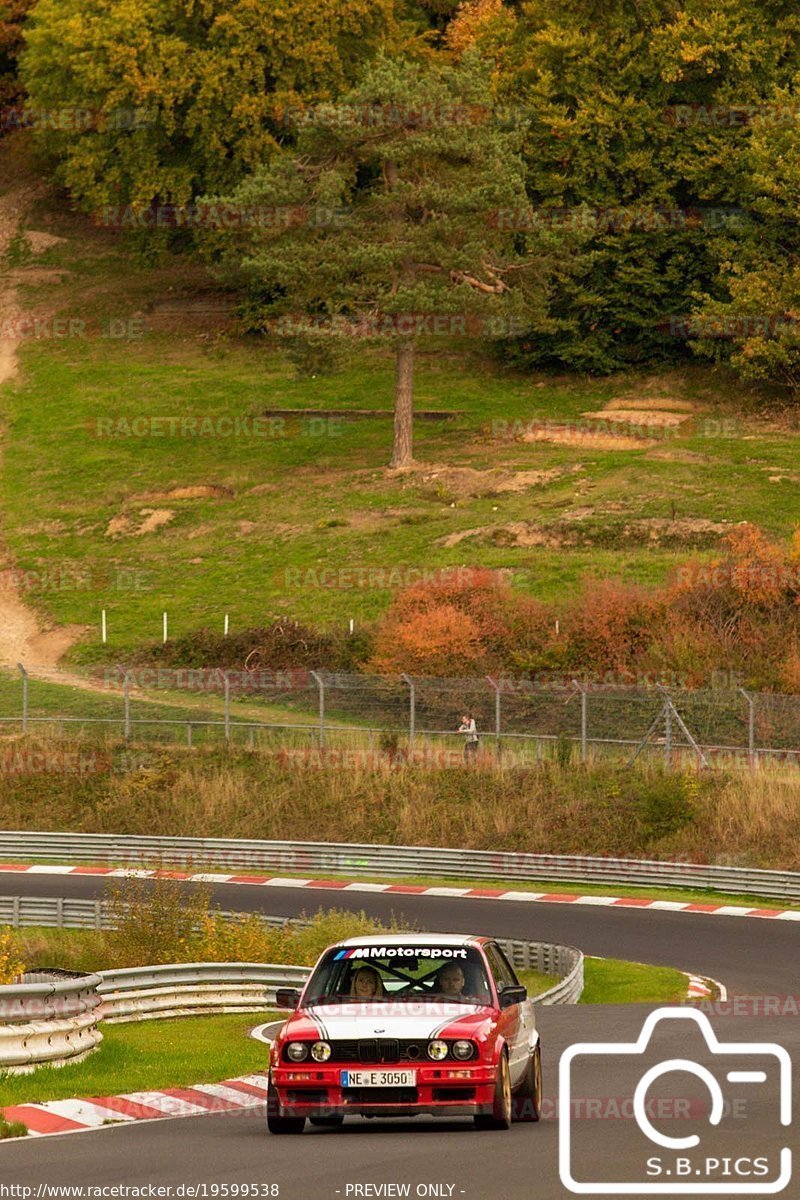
514, 1021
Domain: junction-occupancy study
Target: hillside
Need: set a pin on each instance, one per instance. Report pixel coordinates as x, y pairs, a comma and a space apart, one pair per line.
143, 470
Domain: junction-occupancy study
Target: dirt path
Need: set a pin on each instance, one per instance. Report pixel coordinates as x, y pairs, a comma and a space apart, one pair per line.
22, 639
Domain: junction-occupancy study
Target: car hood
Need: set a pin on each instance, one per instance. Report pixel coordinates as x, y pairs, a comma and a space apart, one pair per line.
413, 1020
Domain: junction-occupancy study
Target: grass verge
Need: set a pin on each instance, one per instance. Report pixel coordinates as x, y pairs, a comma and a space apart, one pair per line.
614, 981
148, 1055
600, 810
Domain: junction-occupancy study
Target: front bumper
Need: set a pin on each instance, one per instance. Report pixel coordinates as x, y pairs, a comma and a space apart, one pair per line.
449, 1090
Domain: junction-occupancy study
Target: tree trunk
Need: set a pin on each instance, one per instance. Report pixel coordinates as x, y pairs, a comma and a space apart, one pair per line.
402, 447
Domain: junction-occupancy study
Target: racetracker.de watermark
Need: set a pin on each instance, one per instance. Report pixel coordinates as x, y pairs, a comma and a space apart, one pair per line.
528, 219
382, 578
390, 117
730, 326
223, 427
221, 216
730, 116
398, 325
38, 328
68, 578
75, 119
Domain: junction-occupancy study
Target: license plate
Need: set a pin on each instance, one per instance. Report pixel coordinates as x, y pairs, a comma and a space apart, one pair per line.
377, 1079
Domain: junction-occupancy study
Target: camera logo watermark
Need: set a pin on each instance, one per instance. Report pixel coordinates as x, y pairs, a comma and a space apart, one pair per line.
684, 1166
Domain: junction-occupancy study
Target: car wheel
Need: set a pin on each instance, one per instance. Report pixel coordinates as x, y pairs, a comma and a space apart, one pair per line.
327, 1122
276, 1122
527, 1102
500, 1117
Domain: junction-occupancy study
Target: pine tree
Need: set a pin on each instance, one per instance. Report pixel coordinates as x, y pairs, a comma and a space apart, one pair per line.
419, 179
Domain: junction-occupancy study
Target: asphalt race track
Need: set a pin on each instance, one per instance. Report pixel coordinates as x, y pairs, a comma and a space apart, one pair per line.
752, 957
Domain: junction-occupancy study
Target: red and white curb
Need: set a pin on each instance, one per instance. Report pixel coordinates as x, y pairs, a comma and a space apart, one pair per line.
78, 1116
409, 889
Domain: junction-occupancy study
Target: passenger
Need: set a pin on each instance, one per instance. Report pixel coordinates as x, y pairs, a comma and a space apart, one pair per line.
366, 984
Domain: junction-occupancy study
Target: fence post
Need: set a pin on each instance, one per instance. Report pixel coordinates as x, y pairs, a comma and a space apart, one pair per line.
24, 675
751, 729
496, 687
126, 694
584, 716
668, 735
412, 712
227, 706
318, 680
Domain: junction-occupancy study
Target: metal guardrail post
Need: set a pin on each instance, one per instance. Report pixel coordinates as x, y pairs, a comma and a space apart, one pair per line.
227, 681
584, 717
320, 684
126, 696
412, 712
24, 675
496, 688
751, 729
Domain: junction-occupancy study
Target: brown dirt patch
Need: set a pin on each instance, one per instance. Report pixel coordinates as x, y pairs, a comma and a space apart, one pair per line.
684, 456
200, 531
245, 528
463, 482
198, 491
687, 531
263, 489
39, 242
638, 417
651, 403
515, 533
585, 439
154, 518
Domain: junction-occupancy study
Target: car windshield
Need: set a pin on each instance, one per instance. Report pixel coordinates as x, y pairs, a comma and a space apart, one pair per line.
398, 973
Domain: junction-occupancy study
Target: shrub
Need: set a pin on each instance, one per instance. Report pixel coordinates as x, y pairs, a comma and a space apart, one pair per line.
467, 623
11, 965
163, 921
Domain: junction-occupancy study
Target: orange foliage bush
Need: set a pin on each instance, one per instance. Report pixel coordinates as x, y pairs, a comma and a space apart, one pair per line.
737, 614
468, 622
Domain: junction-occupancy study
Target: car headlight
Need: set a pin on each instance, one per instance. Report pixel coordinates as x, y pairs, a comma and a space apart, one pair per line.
463, 1050
320, 1051
437, 1050
297, 1051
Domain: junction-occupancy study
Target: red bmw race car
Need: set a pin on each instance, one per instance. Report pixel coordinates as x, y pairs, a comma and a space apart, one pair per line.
401, 1025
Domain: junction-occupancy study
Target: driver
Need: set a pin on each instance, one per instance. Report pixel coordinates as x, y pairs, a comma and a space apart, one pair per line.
450, 983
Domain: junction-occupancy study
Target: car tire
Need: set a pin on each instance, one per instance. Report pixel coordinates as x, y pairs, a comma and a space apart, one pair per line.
276, 1122
527, 1100
500, 1116
327, 1122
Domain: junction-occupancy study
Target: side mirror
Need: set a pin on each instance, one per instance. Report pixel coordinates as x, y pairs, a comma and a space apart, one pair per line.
287, 997
513, 995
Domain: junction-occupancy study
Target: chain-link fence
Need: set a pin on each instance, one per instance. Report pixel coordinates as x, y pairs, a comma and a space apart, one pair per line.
405, 718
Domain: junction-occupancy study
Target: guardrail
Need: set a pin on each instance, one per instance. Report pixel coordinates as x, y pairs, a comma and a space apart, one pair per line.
45, 1021
311, 858
185, 989
136, 992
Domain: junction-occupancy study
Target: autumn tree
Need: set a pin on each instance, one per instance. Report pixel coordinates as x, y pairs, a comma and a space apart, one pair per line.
208, 81
12, 19
419, 175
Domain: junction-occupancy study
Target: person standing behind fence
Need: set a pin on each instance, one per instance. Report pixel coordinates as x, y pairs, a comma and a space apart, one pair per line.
468, 727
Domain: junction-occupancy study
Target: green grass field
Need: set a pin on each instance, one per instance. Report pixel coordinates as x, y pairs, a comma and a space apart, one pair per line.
148, 1055
307, 499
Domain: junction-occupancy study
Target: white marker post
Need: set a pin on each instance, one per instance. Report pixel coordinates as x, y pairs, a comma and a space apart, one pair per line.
164, 616
225, 634
103, 626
